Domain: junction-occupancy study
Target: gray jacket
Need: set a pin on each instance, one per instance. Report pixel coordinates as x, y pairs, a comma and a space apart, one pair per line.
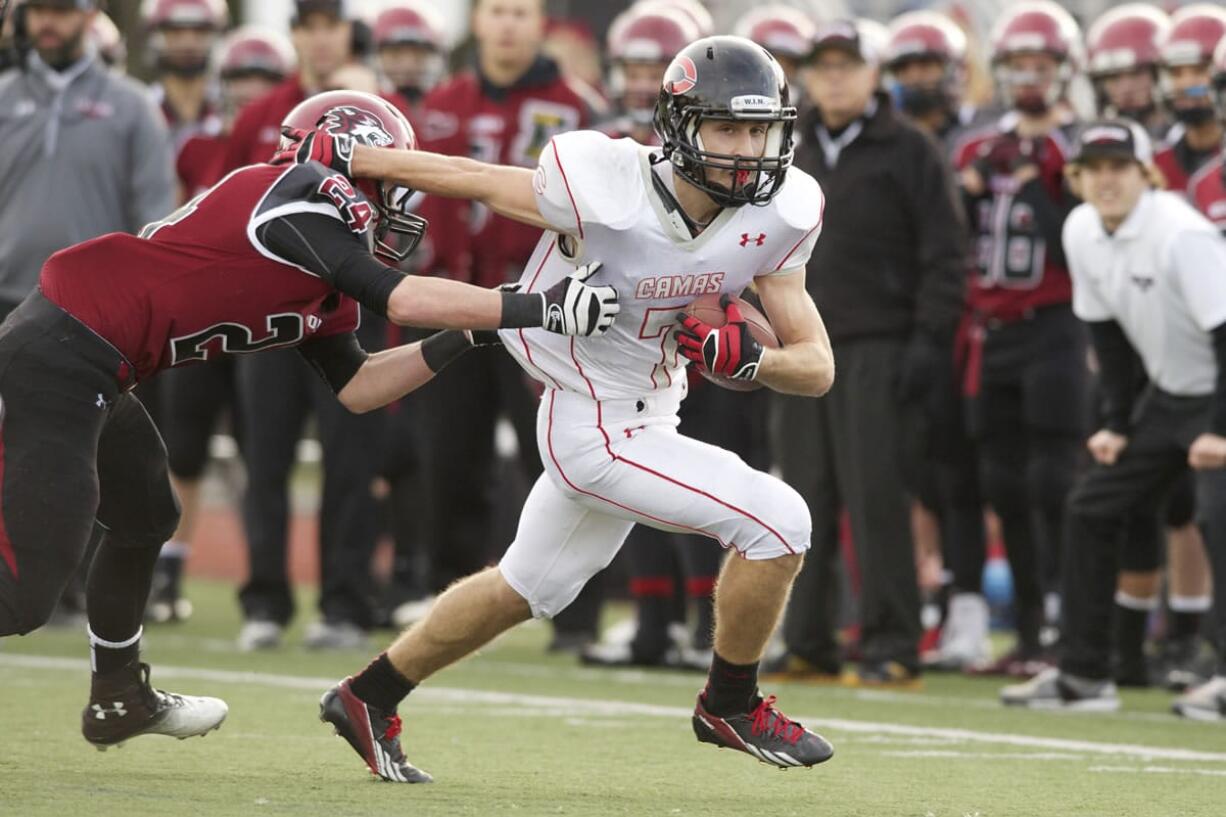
82, 153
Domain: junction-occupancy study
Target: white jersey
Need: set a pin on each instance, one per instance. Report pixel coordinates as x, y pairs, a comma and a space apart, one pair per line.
599, 191
1162, 277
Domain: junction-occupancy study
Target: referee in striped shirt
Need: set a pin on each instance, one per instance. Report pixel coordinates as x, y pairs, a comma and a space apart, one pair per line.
1149, 275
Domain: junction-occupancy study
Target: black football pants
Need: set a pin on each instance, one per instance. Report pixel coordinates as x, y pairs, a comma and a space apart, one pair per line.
844, 451
76, 450
1028, 418
278, 391
1101, 507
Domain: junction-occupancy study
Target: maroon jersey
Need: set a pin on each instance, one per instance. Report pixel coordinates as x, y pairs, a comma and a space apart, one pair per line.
257, 130
252, 264
1207, 189
1179, 162
1017, 261
511, 126
201, 163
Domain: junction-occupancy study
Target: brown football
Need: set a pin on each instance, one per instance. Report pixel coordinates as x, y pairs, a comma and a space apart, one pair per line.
707, 309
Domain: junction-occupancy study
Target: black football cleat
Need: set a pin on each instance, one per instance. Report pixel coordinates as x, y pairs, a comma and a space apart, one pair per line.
374, 735
764, 732
123, 705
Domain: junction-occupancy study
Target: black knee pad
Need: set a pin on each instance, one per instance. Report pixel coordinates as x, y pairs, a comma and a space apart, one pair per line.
1004, 486
1181, 503
1141, 548
1051, 469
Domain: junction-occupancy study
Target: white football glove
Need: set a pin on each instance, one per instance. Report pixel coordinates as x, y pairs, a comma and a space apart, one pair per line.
573, 307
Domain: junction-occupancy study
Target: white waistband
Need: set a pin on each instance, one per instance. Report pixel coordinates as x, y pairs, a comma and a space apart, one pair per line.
660, 404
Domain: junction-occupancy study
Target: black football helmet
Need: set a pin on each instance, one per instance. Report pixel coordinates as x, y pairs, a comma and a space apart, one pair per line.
728, 78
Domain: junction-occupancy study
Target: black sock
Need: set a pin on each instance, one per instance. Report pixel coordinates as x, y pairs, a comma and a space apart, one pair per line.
1184, 625
380, 685
1130, 635
730, 687
115, 596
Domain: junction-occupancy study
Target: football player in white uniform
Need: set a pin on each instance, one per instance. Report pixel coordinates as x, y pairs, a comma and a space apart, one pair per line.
713, 211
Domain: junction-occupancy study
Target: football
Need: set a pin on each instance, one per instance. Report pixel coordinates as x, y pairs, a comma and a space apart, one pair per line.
707, 309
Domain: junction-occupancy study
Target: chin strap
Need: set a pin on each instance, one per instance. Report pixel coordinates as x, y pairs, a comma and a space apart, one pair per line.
673, 207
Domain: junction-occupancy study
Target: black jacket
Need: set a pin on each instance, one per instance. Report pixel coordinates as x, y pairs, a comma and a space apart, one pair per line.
892, 255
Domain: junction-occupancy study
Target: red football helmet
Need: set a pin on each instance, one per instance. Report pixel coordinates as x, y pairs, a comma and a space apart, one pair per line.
1194, 35
252, 50
106, 37
1195, 32
409, 22
1036, 27
646, 38
212, 14
693, 10
1126, 38
374, 122
927, 35
782, 30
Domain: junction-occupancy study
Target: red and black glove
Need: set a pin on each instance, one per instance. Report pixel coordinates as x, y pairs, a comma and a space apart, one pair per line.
730, 350
333, 150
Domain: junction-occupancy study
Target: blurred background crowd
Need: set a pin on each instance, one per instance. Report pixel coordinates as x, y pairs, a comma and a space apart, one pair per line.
938, 467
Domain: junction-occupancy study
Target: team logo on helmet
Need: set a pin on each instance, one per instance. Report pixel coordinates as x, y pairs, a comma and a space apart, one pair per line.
689, 76
362, 125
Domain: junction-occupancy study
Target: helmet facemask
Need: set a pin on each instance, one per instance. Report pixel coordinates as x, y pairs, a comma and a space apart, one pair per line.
756, 179
393, 203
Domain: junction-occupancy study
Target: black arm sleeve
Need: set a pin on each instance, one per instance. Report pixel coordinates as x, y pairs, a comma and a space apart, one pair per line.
336, 358
1116, 372
327, 248
1217, 423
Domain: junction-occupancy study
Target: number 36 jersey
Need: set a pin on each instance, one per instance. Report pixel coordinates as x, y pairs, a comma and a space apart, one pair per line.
600, 196
223, 274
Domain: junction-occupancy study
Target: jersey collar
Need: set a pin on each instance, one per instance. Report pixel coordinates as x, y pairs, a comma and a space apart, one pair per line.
673, 225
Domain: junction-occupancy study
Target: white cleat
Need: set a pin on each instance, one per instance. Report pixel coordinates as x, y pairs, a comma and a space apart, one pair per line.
123, 705
260, 635
1052, 689
1206, 702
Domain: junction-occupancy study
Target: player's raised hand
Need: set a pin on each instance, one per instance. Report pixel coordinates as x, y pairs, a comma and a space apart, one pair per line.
334, 150
730, 350
574, 307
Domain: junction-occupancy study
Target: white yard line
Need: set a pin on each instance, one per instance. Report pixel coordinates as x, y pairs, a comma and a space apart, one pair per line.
586, 707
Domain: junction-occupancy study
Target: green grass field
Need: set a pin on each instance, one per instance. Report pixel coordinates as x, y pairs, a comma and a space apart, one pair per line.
511, 731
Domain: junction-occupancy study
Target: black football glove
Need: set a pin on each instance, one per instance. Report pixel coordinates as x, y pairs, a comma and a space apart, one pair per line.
574, 307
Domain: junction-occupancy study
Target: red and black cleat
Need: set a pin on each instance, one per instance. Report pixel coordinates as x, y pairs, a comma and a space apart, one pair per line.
764, 732
373, 734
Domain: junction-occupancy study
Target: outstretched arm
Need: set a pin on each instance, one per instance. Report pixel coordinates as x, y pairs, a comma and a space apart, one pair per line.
505, 190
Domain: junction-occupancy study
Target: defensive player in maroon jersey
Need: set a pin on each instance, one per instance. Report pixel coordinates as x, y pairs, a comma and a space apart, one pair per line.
1026, 372
271, 257
1187, 53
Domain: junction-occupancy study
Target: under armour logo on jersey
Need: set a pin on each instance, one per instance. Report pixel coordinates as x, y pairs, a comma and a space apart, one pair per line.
103, 712
1143, 282
101, 401
758, 242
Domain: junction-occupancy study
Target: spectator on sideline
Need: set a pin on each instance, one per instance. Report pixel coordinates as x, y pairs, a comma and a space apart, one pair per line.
889, 271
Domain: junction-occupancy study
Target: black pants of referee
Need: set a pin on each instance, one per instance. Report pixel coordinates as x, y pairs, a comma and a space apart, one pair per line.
1099, 508
844, 451
78, 453
278, 391
1028, 419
